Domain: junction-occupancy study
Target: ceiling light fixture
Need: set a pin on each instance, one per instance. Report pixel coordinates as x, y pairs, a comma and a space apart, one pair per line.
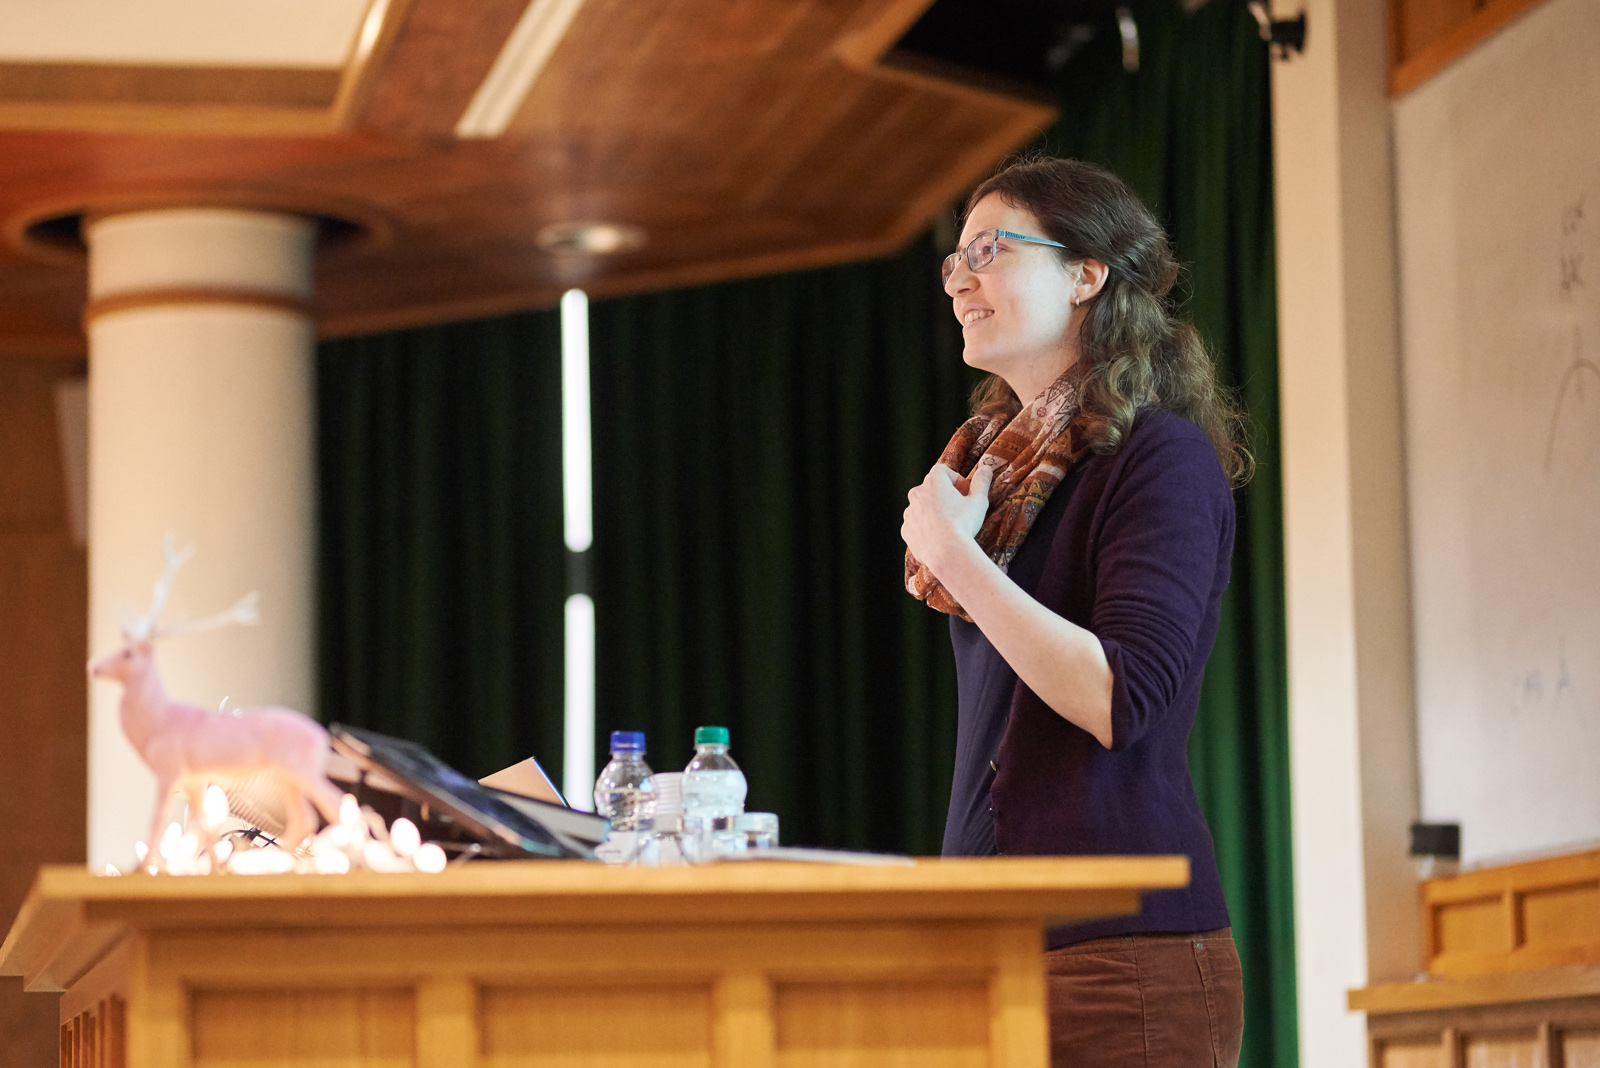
518, 66
590, 238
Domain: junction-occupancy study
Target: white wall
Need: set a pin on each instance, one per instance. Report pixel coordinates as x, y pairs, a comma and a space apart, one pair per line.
1352, 720
1498, 171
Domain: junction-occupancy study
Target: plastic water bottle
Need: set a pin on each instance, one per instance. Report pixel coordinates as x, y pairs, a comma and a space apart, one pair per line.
713, 786
625, 792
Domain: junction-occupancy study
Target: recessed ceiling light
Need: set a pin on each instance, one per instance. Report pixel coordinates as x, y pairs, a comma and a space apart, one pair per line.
594, 239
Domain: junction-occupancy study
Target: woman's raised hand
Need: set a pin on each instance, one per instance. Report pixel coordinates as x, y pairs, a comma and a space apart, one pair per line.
946, 510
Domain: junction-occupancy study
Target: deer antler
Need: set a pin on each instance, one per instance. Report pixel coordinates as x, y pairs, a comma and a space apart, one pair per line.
143, 628
245, 612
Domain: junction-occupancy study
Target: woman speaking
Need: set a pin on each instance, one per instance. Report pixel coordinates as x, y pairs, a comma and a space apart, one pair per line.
1078, 529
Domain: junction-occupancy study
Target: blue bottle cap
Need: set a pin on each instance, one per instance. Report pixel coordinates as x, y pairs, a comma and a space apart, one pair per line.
627, 741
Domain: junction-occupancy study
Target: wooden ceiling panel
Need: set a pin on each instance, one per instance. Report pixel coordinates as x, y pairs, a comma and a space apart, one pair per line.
440, 56
743, 136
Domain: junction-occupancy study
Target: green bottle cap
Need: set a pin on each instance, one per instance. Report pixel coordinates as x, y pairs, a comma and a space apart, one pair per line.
711, 736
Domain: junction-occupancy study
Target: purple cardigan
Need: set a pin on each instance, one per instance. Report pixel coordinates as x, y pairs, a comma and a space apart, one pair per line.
1140, 558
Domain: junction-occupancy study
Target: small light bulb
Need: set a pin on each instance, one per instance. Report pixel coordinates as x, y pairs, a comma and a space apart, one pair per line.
379, 857
405, 836
111, 869
331, 862
140, 851
350, 812
267, 861
429, 858
222, 851
171, 839
215, 805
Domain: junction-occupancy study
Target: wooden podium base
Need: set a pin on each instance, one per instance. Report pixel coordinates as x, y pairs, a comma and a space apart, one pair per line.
565, 965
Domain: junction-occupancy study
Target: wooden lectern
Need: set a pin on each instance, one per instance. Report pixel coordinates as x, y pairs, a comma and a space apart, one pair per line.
496, 965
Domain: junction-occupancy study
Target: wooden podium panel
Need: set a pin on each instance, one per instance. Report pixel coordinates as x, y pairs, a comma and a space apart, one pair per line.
565, 965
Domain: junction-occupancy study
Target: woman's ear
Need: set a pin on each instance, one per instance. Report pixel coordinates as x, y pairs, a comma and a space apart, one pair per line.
1092, 275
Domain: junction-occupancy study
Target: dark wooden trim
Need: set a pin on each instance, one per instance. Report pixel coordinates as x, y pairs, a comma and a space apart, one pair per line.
1430, 60
117, 83
375, 41
149, 298
1539, 984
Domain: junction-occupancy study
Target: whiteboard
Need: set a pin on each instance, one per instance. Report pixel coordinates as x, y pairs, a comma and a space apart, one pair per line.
1498, 186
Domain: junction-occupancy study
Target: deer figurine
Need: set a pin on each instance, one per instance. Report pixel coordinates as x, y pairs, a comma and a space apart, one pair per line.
188, 746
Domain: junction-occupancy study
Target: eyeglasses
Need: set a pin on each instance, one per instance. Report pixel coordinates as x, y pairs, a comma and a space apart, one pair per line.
980, 250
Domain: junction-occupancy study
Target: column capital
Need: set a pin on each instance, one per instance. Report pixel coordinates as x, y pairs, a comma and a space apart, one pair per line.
199, 255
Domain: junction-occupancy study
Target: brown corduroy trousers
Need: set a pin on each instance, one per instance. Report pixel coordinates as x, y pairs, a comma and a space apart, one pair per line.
1146, 1001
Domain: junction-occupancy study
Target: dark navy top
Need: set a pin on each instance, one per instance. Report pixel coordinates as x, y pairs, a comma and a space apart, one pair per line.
1135, 547
984, 685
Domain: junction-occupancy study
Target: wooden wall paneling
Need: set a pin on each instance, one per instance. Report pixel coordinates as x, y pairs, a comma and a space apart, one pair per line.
719, 997
1547, 1046
448, 1017
1520, 1050
95, 1037
43, 689
1542, 1018
1580, 1049
1426, 36
1414, 1054
1560, 916
832, 1023
1538, 914
743, 1024
615, 1025
374, 1027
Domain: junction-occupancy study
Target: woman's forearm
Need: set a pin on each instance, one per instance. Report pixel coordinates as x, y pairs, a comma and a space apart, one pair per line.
1061, 662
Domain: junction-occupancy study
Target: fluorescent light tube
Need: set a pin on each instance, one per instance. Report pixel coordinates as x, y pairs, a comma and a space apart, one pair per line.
517, 67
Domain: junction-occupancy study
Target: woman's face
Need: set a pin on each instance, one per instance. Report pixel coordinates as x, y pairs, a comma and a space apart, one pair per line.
1014, 312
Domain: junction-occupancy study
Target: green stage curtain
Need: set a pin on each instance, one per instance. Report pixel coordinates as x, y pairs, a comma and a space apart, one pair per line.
1191, 132
754, 442
442, 565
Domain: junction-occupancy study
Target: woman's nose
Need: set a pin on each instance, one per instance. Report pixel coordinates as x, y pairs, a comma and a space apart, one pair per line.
961, 280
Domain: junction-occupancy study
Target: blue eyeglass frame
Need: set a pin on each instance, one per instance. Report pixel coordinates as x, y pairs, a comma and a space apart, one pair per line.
966, 250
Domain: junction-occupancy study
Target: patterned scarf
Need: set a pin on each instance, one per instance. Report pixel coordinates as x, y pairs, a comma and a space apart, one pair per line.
1030, 455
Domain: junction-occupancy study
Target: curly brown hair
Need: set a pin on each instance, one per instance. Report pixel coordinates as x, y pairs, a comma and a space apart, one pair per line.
1136, 351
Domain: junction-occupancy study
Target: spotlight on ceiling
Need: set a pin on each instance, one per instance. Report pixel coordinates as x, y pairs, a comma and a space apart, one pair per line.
593, 239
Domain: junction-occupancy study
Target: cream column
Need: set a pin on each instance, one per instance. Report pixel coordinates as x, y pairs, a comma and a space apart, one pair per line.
1352, 716
200, 423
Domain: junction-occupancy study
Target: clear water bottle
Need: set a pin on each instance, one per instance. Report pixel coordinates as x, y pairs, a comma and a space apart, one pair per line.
625, 792
713, 787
